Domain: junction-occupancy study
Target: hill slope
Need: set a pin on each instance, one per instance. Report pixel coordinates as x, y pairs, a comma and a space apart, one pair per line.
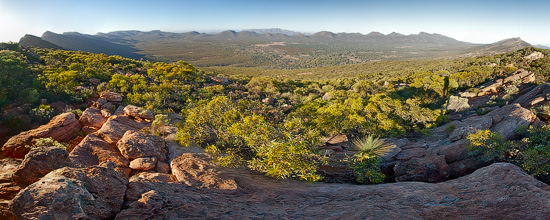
31, 40
89, 43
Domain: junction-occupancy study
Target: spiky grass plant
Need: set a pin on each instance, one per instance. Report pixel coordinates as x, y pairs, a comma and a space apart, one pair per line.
365, 163
371, 146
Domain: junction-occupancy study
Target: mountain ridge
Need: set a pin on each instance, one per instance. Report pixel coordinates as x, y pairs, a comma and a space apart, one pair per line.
275, 48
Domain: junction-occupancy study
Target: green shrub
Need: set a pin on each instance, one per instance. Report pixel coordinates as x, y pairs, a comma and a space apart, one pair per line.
536, 151
47, 142
451, 128
42, 114
486, 142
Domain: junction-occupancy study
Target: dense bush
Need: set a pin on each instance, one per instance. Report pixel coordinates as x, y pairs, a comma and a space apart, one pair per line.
236, 136
532, 153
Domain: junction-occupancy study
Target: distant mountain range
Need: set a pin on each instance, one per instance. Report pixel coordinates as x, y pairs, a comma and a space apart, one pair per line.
274, 31
270, 48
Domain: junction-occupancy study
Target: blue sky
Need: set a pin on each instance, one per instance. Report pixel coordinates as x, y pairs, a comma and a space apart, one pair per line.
466, 20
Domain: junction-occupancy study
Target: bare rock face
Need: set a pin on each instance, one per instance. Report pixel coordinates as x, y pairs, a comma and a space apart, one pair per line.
539, 92
499, 191
93, 150
196, 170
61, 128
92, 119
39, 162
73, 193
138, 112
510, 117
470, 125
135, 144
8, 189
149, 203
111, 96
454, 151
7, 167
116, 126
426, 169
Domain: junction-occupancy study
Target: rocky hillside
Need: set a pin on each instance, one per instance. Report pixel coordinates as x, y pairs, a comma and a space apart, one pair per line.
116, 169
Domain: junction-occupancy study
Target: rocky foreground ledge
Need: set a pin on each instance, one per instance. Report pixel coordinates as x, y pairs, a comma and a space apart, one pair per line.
117, 171
499, 191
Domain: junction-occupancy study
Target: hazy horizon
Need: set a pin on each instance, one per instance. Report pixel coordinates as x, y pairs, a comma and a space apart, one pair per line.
469, 21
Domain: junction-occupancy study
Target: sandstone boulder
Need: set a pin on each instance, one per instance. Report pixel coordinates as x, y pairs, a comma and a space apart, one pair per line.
61, 128
219, 79
39, 162
466, 166
93, 150
454, 151
425, 169
269, 101
116, 126
7, 167
73, 193
92, 117
195, 170
457, 104
162, 167
95, 81
136, 144
146, 163
111, 96
138, 112
153, 177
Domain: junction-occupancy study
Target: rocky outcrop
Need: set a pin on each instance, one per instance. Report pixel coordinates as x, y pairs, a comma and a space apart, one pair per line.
534, 56
497, 86
61, 128
535, 96
508, 118
195, 170
73, 193
420, 160
39, 162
